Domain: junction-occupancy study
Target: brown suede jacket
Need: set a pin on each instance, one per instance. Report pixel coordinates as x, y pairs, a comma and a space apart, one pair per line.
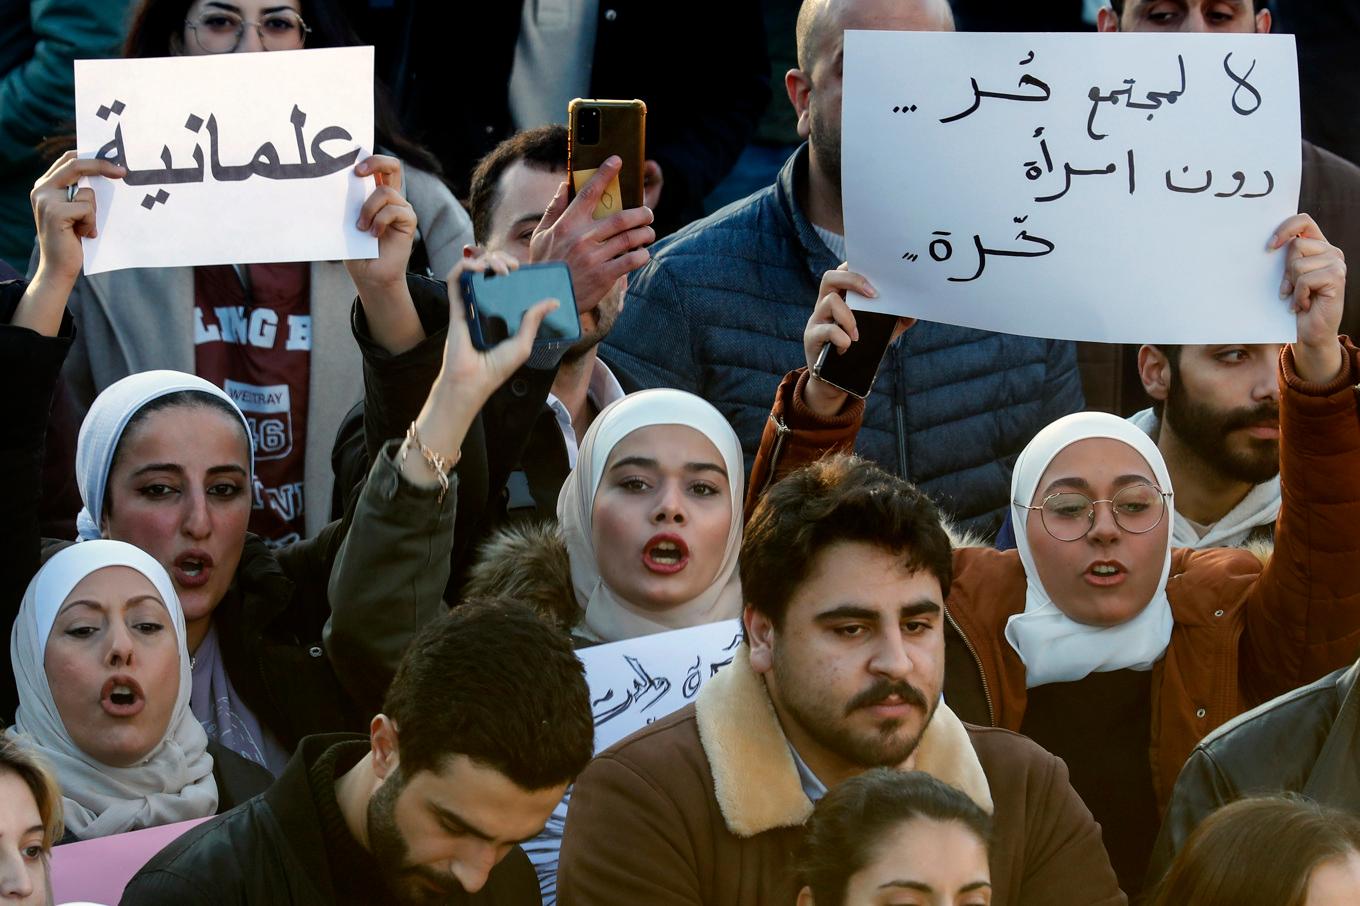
1245, 630
705, 806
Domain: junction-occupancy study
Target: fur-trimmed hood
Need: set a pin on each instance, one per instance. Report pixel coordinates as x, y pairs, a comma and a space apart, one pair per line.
755, 778
528, 561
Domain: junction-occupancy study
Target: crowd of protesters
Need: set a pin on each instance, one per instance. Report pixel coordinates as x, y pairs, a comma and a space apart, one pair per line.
1010, 634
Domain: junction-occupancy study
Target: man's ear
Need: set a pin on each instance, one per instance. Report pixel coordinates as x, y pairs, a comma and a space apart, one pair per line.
798, 84
760, 639
1263, 22
1154, 369
382, 739
1107, 19
805, 897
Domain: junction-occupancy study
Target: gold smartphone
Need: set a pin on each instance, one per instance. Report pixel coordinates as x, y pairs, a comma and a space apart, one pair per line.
595, 130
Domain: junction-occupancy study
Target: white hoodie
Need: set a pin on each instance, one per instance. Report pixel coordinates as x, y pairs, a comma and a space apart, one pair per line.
1259, 507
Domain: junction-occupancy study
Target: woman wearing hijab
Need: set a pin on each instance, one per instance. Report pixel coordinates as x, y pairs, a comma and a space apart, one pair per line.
104, 685
649, 526
164, 463
176, 321
1098, 639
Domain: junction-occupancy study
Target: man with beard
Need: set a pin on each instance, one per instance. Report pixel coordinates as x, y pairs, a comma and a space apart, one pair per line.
845, 570
1216, 419
720, 309
486, 723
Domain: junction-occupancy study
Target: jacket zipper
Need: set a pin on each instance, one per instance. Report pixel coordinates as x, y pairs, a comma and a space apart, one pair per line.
901, 441
781, 432
991, 712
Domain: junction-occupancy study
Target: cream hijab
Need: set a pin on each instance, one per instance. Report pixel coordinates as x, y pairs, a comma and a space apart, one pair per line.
1054, 647
103, 427
609, 618
174, 782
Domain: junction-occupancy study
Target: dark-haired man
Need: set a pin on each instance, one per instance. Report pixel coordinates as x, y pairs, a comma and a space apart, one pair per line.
1330, 190
486, 723
845, 571
719, 311
1216, 418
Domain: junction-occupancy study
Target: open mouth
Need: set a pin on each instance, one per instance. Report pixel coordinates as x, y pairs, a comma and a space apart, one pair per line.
665, 554
192, 568
122, 697
1105, 573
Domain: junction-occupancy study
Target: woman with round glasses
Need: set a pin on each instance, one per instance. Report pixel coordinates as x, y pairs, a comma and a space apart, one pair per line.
183, 317
1095, 637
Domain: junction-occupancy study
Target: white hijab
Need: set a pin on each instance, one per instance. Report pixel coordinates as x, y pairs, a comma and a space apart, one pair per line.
608, 617
1054, 647
104, 425
174, 782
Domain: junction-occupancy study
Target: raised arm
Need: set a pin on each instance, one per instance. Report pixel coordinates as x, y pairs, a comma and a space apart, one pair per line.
810, 417
1303, 612
390, 574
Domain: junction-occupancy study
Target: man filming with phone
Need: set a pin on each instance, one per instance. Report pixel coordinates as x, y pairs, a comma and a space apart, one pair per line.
530, 428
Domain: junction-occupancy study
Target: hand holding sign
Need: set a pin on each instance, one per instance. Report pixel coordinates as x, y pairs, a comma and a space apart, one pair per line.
62, 220
1315, 283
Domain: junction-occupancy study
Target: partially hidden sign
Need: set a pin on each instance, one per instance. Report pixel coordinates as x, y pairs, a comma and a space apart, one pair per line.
231, 158
1112, 187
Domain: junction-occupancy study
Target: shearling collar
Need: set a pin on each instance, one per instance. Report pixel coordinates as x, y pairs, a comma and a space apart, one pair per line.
754, 776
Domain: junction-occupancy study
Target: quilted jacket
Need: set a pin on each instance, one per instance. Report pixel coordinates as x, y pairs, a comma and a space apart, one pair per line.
720, 312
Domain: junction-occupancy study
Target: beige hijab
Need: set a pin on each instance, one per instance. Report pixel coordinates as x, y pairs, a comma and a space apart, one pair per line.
608, 617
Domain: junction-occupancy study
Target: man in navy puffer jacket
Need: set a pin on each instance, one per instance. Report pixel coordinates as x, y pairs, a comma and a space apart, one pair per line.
720, 310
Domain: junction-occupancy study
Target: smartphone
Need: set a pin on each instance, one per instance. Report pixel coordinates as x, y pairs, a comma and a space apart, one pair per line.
597, 129
495, 304
855, 369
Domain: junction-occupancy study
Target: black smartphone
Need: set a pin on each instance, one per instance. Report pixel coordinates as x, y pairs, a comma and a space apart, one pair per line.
495, 304
855, 369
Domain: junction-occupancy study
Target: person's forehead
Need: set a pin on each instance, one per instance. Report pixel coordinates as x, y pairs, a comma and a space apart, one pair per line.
524, 190
484, 797
866, 575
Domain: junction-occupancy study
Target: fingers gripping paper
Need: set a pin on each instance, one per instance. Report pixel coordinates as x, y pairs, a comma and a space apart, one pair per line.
231, 159
1088, 187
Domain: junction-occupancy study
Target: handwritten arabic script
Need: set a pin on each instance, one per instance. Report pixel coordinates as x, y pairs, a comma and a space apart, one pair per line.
1032, 184
271, 177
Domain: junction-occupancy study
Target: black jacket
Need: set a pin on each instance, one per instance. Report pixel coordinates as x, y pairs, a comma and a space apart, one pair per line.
271, 620
272, 850
700, 66
1306, 741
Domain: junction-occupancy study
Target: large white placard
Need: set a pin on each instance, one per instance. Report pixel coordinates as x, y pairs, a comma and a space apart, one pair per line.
633, 683
232, 158
1077, 186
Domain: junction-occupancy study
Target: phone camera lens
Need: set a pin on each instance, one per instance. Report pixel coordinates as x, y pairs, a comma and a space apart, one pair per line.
588, 126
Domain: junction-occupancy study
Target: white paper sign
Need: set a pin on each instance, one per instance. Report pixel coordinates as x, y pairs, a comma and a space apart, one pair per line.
633, 683
232, 158
1073, 186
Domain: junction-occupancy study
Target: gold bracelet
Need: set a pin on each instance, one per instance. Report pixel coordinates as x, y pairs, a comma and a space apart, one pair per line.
437, 463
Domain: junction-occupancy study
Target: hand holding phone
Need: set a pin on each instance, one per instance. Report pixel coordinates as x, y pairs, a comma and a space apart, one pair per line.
496, 303
596, 130
844, 348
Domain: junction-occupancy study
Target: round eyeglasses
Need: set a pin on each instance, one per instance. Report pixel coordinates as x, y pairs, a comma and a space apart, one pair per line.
219, 31
1069, 516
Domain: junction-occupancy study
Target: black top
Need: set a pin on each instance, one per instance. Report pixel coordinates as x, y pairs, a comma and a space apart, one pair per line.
355, 874
297, 849
1101, 726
